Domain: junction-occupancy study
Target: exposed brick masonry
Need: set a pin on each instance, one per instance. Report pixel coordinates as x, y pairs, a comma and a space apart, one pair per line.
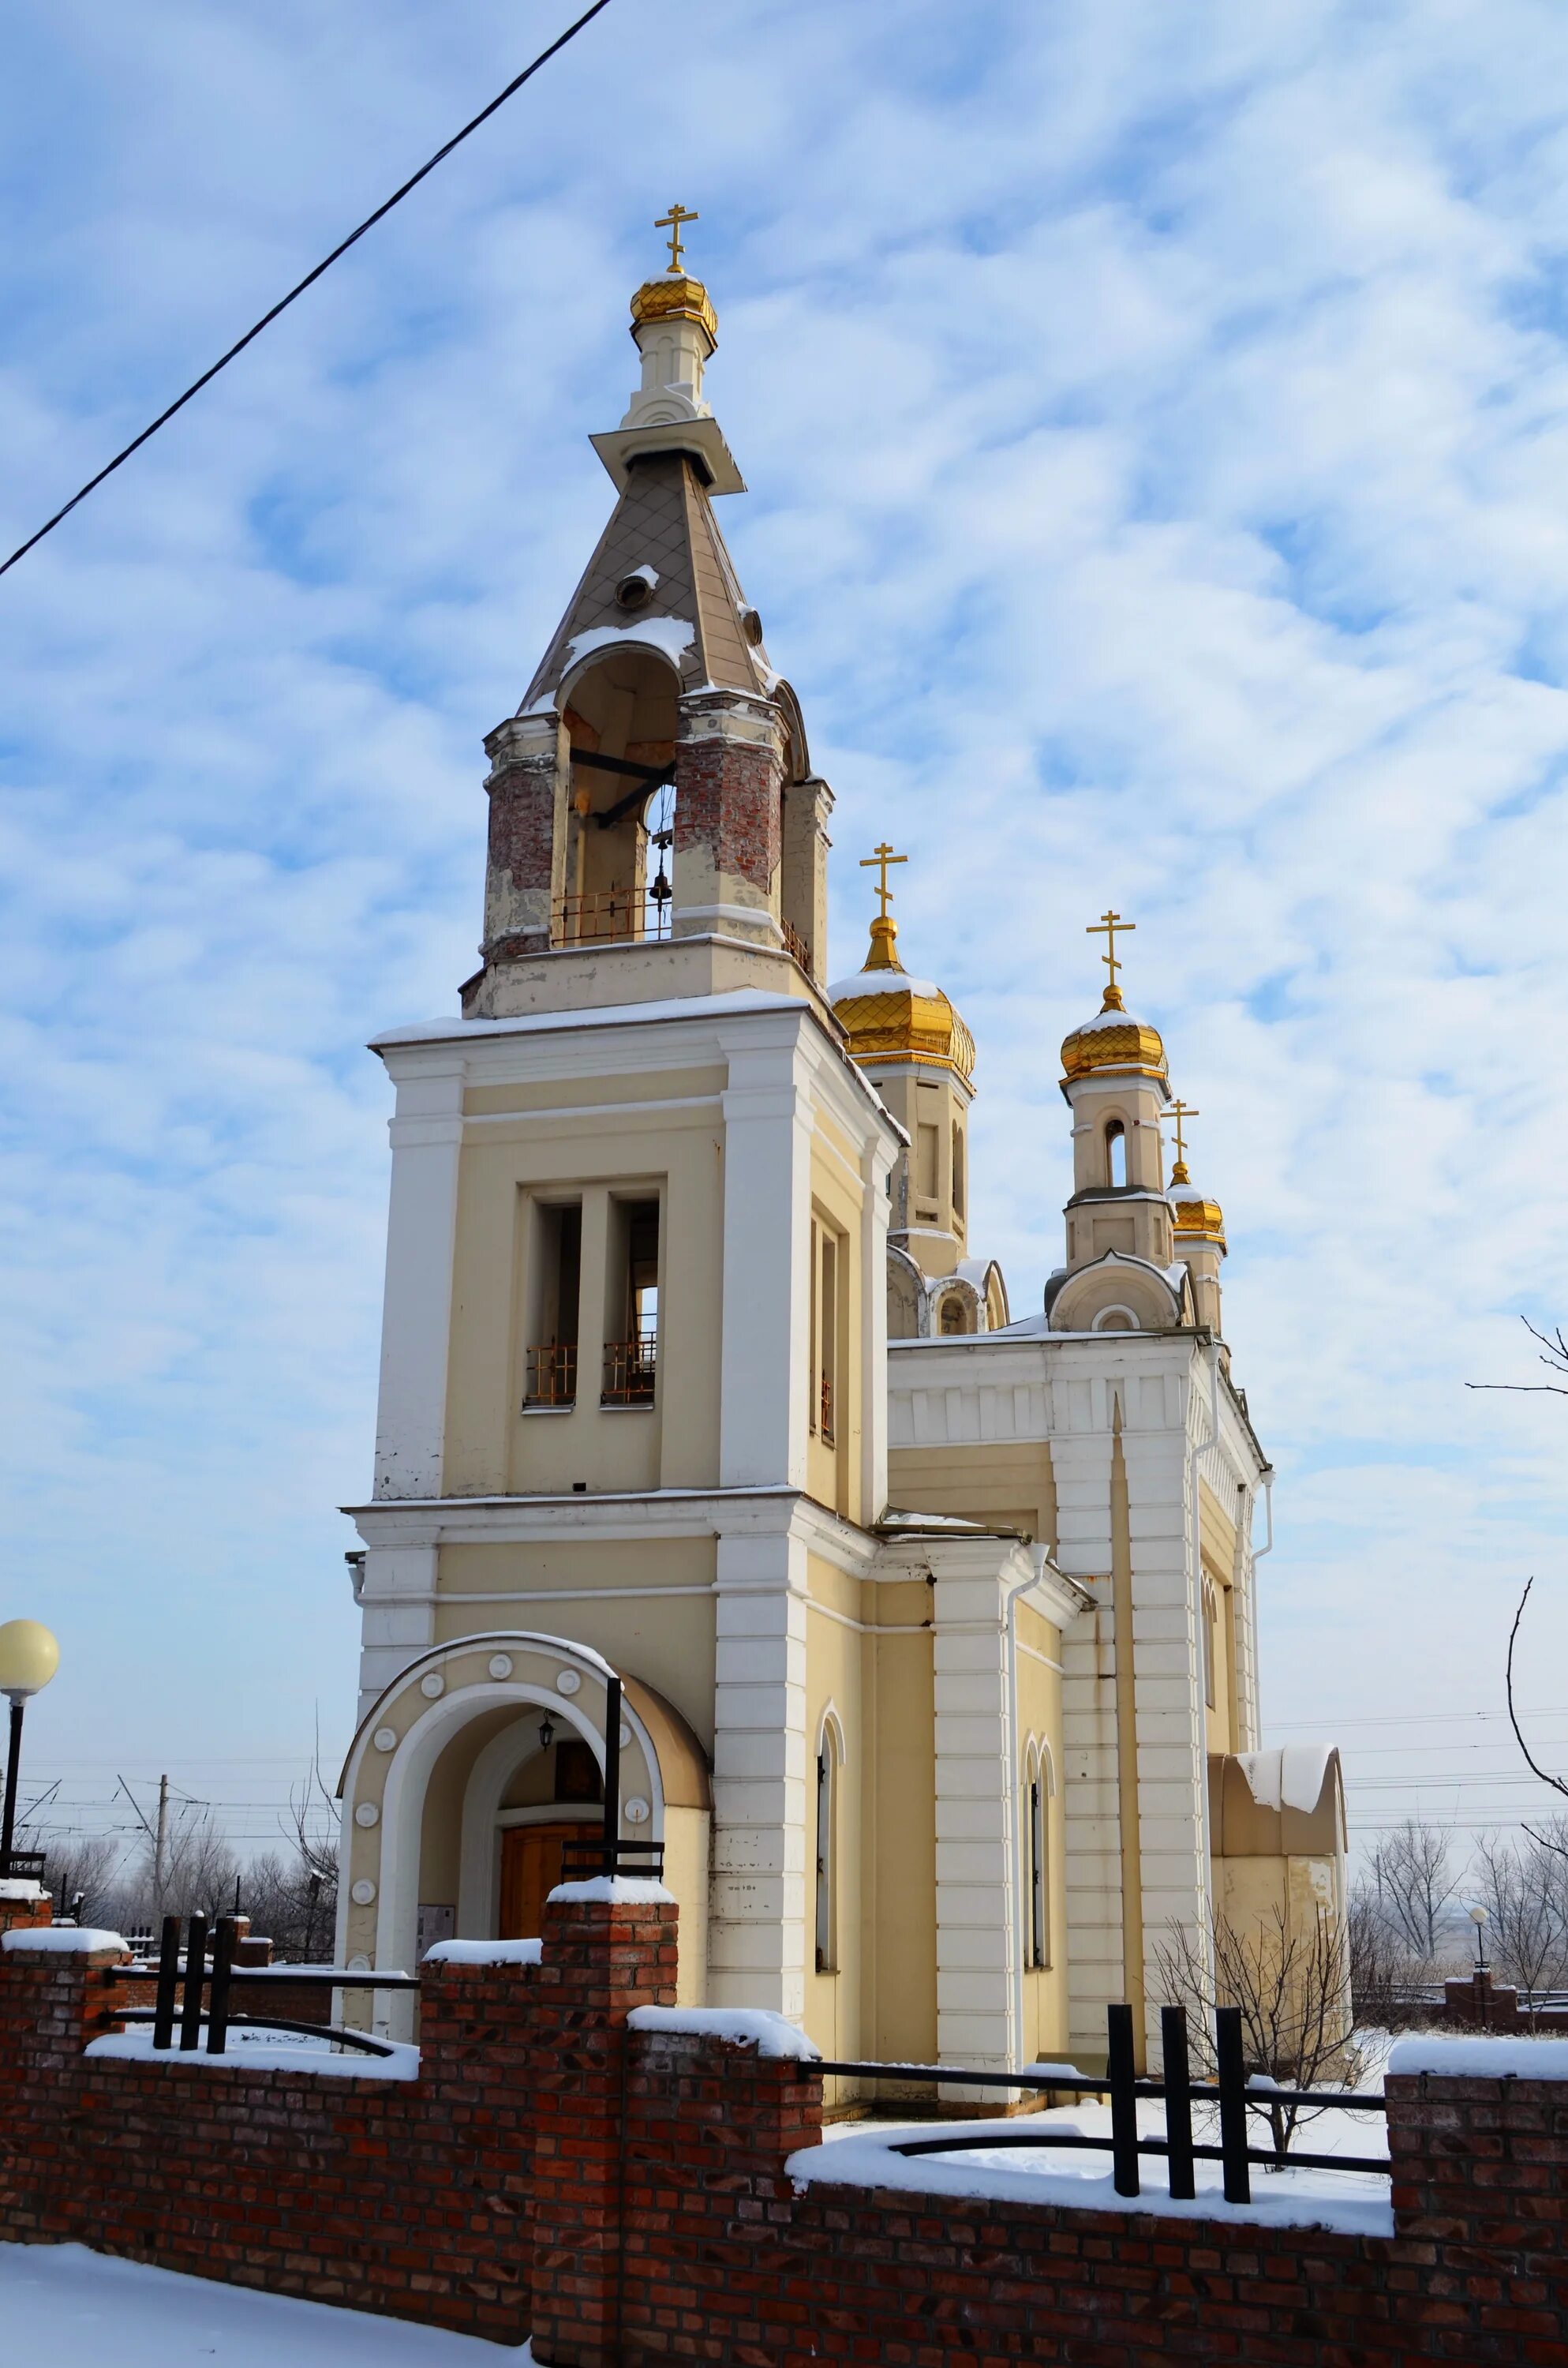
625, 2194
728, 802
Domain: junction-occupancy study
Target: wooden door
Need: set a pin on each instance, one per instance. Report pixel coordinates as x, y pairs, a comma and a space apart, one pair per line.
530, 1869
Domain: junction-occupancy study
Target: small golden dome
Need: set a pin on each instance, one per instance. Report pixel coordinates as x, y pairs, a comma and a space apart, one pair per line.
1194, 1215
675, 298
1114, 1040
893, 1019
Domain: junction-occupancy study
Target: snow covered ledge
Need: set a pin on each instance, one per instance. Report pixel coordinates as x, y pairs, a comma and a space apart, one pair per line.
1478, 2059
60, 1941
741, 2026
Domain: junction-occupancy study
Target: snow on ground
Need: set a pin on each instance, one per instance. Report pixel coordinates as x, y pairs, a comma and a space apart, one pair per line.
1357, 2201
62, 2303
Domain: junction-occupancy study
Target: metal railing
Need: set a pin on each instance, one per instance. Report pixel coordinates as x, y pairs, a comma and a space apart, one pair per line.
630, 1366
26, 1866
795, 947
551, 1376
1231, 2094
607, 916
825, 1411
196, 1994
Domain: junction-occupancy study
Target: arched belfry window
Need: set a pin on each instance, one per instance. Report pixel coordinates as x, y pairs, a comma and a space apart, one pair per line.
830, 1766
1115, 1153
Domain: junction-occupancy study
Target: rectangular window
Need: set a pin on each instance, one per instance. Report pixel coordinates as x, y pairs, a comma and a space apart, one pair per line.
555, 1284
631, 1313
957, 1169
927, 1153
827, 1339
1039, 1945
827, 1871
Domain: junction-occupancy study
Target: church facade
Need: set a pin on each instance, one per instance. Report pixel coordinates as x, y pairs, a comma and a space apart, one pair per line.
936, 1627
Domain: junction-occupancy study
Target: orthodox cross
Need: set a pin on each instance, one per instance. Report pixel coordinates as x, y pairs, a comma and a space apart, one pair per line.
878, 863
1107, 928
1180, 1112
673, 223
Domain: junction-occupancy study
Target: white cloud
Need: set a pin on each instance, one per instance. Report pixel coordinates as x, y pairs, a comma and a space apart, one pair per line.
1156, 425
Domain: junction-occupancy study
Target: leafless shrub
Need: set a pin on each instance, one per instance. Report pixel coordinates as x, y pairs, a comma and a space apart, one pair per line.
1292, 1984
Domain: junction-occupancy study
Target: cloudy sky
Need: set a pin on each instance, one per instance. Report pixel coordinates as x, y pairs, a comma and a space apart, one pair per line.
1156, 421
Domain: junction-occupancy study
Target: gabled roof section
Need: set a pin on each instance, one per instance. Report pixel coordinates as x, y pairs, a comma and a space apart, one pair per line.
664, 523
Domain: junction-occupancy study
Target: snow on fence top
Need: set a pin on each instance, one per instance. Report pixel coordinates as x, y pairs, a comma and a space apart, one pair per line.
620, 1890
1480, 2059
741, 2026
485, 1953
61, 1940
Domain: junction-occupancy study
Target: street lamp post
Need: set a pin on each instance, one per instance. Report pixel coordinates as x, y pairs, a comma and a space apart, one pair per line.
29, 1658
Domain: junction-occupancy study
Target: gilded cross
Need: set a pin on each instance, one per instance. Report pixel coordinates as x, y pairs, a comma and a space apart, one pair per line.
878, 863
1107, 928
1180, 1112
674, 221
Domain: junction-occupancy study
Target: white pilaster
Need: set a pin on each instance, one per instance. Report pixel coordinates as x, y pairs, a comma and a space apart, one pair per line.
427, 1140
756, 1940
765, 1336
1081, 1460
397, 1611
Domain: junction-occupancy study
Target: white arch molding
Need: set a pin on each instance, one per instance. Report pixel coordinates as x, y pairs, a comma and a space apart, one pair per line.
404, 1774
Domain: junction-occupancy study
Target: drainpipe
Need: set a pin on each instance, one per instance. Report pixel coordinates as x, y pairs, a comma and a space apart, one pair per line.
1015, 1821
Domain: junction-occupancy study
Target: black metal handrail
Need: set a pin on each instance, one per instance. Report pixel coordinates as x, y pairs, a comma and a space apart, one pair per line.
181, 1989
1231, 2093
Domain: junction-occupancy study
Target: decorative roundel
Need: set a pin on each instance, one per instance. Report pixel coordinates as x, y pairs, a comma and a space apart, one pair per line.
386, 1738
367, 1814
568, 1682
637, 1810
625, 1734
633, 591
363, 1892
359, 1964
751, 626
433, 1684
500, 1665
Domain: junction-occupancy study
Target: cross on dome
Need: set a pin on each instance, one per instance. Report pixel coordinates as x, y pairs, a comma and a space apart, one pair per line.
674, 221
884, 929
878, 862
1180, 1112
1107, 928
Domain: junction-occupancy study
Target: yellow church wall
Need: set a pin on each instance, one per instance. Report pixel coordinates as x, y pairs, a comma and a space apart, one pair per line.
556, 1587
579, 1094
1006, 1484
834, 1473
1217, 1534
492, 1445
833, 1656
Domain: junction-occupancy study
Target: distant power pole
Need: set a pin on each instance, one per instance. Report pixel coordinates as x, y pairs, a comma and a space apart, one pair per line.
161, 1844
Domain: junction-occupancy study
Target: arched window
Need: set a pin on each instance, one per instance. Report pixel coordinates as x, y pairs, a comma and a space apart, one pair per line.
957, 1169
1211, 1642
954, 1315
830, 1762
1115, 1153
1036, 1828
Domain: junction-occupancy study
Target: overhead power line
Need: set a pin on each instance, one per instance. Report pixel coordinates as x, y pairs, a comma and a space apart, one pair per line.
308, 281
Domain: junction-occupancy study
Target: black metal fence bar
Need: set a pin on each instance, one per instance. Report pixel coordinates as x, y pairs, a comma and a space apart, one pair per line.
337, 1978
1122, 2074
202, 1991
1232, 2104
168, 1983
1178, 2103
195, 1974
1076, 2141
218, 1992
365, 2042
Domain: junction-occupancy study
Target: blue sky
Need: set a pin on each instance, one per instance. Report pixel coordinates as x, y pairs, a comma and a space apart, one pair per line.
1155, 423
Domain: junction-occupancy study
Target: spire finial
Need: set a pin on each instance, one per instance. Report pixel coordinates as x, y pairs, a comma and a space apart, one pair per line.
1180, 1112
673, 221
1107, 928
884, 929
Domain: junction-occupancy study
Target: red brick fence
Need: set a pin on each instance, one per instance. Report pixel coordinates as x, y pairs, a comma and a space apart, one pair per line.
623, 2193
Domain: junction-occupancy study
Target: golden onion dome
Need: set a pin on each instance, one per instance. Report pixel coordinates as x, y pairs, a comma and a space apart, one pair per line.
1113, 1040
674, 297
1194, 1216
893, 1020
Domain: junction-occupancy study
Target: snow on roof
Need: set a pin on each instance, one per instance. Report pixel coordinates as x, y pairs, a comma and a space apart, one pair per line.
673, 636
61, 1940
485, 1953
1112, 1019
1290, 1778
261, 2050
1480, 2059
881, 982
741, 2026
735, 1002
620, 1890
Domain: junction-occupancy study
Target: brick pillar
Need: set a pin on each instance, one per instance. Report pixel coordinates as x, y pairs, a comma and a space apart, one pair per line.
525, 872
728, 816
803, 879
1481, 2175
601, 1958
51, 2003
24, 1906
710, 2126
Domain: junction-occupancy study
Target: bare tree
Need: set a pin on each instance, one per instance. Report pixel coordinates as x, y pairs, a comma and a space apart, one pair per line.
1413, 1881
85, 1873
1525, 1895
291, 1894
1387, 1981
1291, 1982
199, 1872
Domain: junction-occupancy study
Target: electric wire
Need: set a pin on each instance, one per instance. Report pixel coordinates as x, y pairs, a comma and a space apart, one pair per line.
308, 281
